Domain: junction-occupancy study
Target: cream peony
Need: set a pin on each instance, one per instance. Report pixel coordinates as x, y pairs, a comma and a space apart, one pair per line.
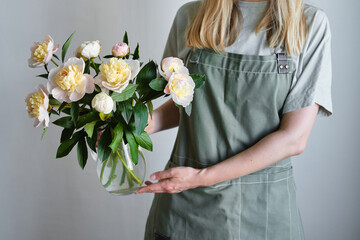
37, 104
181, 88
120, 50
41, 53
116, 74
68, 82
170, 65
102, 103
88, 49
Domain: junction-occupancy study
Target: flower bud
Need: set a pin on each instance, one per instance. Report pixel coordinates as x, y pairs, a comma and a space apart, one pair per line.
102, 103
88, 49
120, 50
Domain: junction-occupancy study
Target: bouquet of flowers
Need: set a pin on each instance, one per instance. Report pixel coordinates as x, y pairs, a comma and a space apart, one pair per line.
113, 94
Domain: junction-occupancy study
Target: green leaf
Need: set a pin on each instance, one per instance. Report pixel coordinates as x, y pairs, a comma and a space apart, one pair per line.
92, 142
198, 80
89, 128
118, 135
108, 56
188, 109
66, 134
136, 52
56, 57
43, 134
150, 107
104, 150
95, 66
158, 84
125, 38
66, 46
66, 147
134, 151
62, 106
43, 76
52, 111
125, 94
97, 88
74, 112
141, 117
64, 122
126, 109
87, 118
146, 74
144, 140
87, 67
54, 102
82, 153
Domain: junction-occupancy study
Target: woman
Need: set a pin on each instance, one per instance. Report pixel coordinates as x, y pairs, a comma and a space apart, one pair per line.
268, 75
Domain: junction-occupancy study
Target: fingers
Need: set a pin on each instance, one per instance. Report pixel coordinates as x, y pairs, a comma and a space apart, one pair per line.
163, 174
160, 187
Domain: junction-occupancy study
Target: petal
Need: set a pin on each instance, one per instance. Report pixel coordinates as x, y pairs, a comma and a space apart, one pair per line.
75, 96
80, 88
167, 89
37, 122
134, 66
90, 83
78, 61
59, 94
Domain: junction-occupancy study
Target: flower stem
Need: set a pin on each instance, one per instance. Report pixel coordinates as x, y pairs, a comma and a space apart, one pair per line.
131, 172
54, 62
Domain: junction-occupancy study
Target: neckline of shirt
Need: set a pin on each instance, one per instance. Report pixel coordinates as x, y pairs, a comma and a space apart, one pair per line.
260, 4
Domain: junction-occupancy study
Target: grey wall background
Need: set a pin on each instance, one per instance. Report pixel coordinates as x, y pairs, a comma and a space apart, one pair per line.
53, 199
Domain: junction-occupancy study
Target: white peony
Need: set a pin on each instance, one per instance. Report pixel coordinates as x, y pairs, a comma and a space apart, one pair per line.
116, 74
41, 53
68, 82
37, 104
181, 88
88, 49
170, 65
102, 103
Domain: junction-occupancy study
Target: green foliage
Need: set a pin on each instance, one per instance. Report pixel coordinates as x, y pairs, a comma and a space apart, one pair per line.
158, 84
43, 76
104, 150
82, 152
150, 108
125, 38
74, 112
66, 146
89, 128
44, 131
66, 134
133, 146
136, 53
87, 118
66, 46
126, 109
64, 122
143, 140
141, 116
118, 135
198, 79
127, 93
188, 109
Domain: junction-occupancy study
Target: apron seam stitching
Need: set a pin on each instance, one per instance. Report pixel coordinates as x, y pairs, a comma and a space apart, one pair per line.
259, 182
289, 208
267, 206
232, 70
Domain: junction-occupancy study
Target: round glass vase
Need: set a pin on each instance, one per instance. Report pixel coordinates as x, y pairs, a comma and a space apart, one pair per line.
118, 174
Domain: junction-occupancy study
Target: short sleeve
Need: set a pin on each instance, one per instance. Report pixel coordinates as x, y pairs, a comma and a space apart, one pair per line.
176, 43
313, 77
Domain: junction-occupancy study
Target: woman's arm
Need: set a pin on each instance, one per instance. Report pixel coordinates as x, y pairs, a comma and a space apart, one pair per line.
289, 140
164, 117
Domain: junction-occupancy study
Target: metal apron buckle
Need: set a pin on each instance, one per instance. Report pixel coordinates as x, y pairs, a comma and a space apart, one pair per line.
283, 63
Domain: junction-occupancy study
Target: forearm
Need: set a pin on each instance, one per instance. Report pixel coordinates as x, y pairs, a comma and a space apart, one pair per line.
166, 116
266, 152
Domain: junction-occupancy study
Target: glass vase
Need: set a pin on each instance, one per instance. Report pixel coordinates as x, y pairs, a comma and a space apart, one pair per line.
118, 174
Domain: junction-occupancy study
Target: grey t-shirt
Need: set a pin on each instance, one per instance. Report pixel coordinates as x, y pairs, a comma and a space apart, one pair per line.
312, 78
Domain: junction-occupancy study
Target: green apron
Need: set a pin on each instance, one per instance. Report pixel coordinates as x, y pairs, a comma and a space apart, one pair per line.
240, 103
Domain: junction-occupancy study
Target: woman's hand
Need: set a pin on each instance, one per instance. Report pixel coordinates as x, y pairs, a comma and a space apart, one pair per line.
174, 180
151, 124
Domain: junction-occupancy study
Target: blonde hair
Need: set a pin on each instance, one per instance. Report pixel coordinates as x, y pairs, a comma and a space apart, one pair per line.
218, 24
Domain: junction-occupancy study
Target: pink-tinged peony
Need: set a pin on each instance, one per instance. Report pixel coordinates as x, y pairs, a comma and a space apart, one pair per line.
68, 82
170, 65
88, 49
37, 104
181, 88
120, 50
116, 74
41, 53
